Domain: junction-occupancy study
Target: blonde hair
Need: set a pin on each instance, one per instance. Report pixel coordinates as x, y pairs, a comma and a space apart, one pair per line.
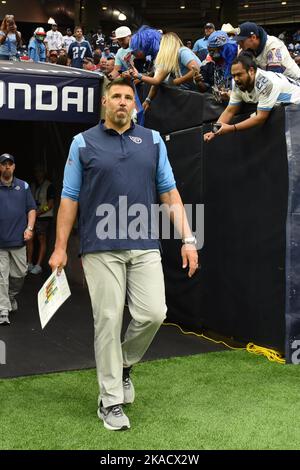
167, 57
4, 26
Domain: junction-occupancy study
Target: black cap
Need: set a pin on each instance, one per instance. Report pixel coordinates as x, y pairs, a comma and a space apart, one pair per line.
209, 25
6, 156
246, 30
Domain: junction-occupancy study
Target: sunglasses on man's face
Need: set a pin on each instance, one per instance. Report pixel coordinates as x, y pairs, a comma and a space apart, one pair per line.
7, 163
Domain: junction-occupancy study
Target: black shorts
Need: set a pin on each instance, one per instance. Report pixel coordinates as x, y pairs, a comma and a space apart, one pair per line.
42, 225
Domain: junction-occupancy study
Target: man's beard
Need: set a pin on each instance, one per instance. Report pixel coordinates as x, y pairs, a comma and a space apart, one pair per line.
120, 120
246, 86
6, 175
242, 87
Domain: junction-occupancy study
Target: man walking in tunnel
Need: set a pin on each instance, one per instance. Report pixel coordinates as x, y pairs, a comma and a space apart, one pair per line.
113, 161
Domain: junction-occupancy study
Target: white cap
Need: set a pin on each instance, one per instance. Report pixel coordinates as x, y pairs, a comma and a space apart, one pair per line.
122, 32
228, 28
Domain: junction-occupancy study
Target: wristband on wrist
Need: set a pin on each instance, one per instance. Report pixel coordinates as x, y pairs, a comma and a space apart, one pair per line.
235, 129
140, 76
148, 100
29, 228
189, 241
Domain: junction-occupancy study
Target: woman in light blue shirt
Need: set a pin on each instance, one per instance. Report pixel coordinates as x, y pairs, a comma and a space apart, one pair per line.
10, 38
172, 58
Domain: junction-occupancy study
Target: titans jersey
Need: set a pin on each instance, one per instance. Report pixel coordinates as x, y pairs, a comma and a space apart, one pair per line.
269, 88
78, 51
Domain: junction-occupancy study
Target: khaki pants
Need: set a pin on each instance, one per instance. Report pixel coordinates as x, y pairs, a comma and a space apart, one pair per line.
109, 276
13, 269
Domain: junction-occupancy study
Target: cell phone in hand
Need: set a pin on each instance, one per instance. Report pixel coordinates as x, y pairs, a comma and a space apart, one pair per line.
216, 127
128, 59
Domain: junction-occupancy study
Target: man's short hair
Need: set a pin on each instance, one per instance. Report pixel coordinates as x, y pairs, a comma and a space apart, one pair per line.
120, 82
247, 60
76, 28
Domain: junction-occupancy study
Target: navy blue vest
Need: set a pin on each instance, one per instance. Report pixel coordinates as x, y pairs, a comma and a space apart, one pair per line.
15, 202
119, 171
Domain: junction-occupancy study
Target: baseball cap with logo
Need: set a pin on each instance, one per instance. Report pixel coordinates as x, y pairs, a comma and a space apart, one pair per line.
209, 26
122, 32
246, 30
6, 156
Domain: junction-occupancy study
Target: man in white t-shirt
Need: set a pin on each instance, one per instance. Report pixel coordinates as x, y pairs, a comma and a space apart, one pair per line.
123, 36
270, 52
253, 85
68, 39
54, 39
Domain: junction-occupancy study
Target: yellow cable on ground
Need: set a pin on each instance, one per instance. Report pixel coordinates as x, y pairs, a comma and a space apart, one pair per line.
201, 336
270, 354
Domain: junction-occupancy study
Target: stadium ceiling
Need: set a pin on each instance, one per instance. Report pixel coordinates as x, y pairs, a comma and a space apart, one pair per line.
169, 13
270, 11
165, 14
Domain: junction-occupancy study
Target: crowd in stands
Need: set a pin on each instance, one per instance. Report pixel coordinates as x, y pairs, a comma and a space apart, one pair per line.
96, 53
153, 57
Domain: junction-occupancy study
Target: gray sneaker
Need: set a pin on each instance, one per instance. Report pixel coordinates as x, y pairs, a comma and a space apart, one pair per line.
113, 418
30, 266
37, 269
128, 387
4, 320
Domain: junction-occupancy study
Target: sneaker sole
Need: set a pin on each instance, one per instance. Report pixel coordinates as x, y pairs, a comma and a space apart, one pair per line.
111, 428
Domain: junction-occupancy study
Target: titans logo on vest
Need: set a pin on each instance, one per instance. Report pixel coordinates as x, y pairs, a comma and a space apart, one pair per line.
136, 140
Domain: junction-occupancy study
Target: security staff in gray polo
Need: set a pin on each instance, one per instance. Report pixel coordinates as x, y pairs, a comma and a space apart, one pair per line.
17, 219
115, 170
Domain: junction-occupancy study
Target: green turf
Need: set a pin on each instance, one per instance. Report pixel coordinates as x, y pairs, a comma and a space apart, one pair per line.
226, 400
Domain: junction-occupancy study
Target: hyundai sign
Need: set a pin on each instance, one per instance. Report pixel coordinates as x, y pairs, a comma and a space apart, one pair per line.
44, 92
